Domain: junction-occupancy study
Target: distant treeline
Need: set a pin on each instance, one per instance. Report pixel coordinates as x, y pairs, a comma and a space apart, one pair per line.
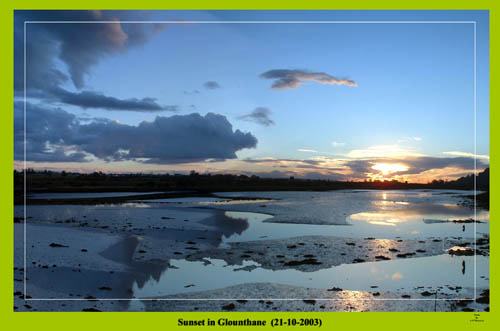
49, 181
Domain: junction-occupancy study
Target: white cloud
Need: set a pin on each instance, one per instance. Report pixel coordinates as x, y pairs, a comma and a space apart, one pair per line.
477, 156
393, 151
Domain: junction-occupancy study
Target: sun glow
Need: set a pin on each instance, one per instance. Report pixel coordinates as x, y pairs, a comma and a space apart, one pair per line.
388, 168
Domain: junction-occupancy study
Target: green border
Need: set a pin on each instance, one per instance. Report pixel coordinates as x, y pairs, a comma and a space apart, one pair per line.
331, 321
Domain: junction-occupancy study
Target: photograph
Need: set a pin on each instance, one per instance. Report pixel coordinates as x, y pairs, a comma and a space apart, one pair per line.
251, 161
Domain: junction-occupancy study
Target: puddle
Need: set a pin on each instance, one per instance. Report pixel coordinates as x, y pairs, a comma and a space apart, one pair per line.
379, 225
403, 275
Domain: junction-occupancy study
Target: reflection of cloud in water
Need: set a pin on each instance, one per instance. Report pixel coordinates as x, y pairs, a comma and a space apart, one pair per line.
227, 224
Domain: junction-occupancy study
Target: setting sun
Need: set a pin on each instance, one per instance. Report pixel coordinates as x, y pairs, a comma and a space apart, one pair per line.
388, 168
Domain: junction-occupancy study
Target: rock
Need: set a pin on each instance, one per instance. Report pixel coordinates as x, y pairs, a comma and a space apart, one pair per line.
484, 298
406, 296
83, 250
105, 288
426, 293
404, 255
460, 251
230, 306
382, 257
463, 303
358, 260
376, 294
242, 301
91, 309
336, 289
57, 245
310, 301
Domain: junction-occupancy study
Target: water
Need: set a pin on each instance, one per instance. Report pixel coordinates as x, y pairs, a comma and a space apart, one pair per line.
278, 215
402, 275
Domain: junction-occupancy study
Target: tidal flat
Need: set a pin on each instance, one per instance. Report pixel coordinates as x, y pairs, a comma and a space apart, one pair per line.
344, 250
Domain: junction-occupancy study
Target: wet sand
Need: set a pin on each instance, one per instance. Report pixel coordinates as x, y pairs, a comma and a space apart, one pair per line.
81, 254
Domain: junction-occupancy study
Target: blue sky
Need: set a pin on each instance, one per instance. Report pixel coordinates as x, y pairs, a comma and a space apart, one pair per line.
413, 97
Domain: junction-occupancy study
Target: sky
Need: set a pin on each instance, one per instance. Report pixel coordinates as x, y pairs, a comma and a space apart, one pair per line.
309, 94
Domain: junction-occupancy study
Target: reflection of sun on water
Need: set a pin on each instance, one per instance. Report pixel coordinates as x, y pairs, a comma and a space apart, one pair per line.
377, 218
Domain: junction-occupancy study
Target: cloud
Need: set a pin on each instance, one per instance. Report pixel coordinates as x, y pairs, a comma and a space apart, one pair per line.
291, 79
307, 150
477, 156
280, 161
191, 92
211, 85
259, 115
54, 135
337, 144
393, 151
58, 53
410, 165
411, 139
89, 99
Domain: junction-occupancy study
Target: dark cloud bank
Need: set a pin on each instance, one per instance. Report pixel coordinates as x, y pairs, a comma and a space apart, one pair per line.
79, 46
54, 135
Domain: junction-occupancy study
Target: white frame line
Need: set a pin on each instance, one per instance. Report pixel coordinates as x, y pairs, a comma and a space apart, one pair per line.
253, 22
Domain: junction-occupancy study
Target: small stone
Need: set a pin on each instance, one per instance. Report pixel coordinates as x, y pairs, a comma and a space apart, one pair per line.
230, 306
57, 245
